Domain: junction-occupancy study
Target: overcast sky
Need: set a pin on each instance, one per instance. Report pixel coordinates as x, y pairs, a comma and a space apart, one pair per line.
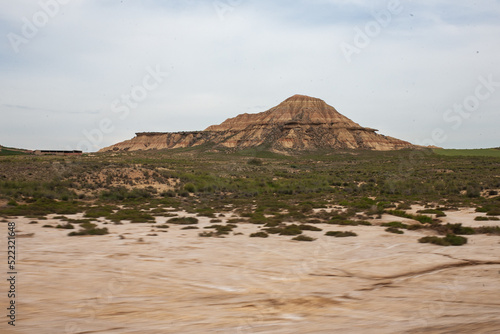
85, 74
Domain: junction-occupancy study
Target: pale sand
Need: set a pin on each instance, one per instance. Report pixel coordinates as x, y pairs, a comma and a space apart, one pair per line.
177, 282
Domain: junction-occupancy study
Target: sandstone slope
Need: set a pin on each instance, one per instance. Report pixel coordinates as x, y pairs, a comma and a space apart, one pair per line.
298, 123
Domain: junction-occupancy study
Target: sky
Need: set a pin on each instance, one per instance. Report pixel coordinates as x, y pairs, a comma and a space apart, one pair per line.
85, 74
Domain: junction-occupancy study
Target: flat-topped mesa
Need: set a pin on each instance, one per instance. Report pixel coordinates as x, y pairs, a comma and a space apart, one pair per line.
298, 123
152, 134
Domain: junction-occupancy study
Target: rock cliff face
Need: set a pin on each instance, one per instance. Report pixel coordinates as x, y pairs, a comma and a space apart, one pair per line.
298, 123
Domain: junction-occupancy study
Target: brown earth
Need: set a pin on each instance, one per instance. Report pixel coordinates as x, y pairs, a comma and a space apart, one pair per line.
298, 123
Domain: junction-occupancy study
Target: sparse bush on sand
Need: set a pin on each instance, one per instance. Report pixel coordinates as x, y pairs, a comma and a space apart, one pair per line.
341, 234
183, 220
449, 240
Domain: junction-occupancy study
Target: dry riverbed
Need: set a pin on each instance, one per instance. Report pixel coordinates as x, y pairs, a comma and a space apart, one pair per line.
143, 279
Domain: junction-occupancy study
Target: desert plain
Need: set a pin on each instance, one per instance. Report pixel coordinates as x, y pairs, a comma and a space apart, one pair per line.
177, 282
253, 242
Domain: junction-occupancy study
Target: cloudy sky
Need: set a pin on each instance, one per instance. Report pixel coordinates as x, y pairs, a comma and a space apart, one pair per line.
84, 74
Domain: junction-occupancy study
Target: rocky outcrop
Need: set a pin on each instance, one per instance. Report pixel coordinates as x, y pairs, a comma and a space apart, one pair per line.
298, 123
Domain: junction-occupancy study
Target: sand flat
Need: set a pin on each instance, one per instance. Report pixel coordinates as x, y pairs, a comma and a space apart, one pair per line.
178, 282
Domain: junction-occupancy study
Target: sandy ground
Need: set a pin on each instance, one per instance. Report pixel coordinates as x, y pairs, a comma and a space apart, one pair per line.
178, 282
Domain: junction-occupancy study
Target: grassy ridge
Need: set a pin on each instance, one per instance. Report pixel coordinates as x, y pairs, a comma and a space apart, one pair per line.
7, 151
485, 152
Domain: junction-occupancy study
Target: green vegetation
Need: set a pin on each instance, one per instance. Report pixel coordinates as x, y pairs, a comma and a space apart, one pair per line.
453, 229
481, 218
255, 162
67, 226
132, 215
394, 230
399, 225
494, 230
487, 152
420, 218
7, 151
291, 230
449, 240
222, 229
303, 238
42, 207
89, 229
285, 194
190, 228
349, 222
341, 234
438, 213
259, 235
183, 220
305, 227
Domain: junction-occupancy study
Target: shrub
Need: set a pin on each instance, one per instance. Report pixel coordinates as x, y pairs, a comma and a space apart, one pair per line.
133, 215
207, 234
305, 227
341, 234
206, 212
420, 218
42, 207
493, 212
273, 230
436, 212
473, 191
67, 226
291, 230
257, 218
272, 223
481, 218
303, 238
236, 221
190, 228
449, 240
396, 225
222, 229
259, 235
255, 162
488, 230
99, 211
433, 240
190, 188
89, 229
414, 227
455, 240
453, 229
350, 222
168, 193
183, 220
394, 230
423, 219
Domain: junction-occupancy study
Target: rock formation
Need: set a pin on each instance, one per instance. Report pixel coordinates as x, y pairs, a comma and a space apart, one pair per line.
298, 123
